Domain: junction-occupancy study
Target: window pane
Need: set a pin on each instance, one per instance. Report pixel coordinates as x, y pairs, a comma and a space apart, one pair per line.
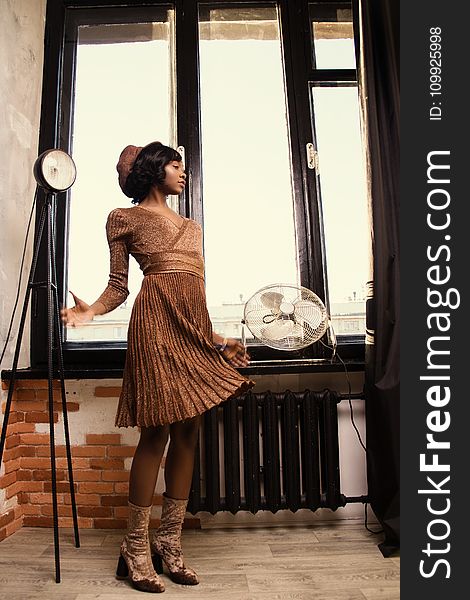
249, 233
332, 35
344, 204
123, 95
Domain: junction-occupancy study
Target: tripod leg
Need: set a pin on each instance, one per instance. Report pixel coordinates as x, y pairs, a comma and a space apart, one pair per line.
24, 311
60, 360
50, 340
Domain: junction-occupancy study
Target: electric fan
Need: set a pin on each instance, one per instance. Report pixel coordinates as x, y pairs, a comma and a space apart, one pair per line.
286, 317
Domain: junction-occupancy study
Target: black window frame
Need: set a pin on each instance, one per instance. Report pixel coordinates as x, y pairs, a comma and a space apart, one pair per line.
59, 64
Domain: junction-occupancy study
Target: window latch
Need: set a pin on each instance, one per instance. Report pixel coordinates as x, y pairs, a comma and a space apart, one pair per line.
181, 150
312, 158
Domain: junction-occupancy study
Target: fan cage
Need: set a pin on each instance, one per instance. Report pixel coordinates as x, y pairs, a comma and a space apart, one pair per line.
285, 316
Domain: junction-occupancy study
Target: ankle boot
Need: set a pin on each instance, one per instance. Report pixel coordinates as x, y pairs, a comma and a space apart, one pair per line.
135, 562
166, 543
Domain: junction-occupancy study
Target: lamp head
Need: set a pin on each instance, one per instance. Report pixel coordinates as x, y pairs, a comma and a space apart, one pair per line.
54, 170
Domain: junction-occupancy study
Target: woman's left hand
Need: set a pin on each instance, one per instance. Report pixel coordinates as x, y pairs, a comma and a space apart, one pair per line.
235, 353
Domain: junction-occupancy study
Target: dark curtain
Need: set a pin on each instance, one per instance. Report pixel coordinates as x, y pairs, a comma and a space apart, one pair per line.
378, 61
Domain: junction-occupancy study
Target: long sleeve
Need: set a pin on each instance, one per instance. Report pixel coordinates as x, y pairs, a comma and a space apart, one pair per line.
117, 231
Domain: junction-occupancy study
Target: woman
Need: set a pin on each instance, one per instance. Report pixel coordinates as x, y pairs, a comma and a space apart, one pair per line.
176, 366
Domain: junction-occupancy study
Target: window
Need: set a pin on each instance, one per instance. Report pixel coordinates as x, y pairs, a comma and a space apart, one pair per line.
340, 170
248, 212
231, 84
114, 63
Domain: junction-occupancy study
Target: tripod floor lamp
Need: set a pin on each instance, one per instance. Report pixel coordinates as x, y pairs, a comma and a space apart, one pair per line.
54, 171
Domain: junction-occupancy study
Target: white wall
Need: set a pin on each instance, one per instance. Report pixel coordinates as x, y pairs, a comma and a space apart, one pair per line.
21, 64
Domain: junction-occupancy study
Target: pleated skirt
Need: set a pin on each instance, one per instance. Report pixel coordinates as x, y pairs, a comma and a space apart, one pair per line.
172, 370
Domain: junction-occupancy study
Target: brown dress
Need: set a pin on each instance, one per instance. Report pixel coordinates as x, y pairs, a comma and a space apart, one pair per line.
173, 371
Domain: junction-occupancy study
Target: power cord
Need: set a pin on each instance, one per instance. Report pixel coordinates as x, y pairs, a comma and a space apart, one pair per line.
351, 413
19, 277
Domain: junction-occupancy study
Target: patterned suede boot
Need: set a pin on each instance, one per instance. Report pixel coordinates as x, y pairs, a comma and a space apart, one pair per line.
135, 562
166, 543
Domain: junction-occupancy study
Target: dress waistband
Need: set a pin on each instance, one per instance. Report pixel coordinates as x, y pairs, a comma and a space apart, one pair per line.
174, 260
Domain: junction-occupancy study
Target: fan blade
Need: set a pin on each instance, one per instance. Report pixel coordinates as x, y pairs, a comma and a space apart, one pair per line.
272, 300
310, 312
278, 329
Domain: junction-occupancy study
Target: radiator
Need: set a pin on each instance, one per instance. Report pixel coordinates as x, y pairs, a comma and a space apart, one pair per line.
268, 451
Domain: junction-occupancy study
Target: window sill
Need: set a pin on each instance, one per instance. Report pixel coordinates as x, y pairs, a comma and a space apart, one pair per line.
272, 367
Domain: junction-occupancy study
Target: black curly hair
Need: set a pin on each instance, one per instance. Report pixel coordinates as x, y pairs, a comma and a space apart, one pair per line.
149, 169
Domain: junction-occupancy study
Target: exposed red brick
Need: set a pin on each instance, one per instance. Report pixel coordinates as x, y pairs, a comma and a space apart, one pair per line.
44, 394
12, 527
19, 452
110, 523
86, 475
72, 407
25, 394
44, 498
32, 486
82, 522
37, 384
77, 463
125, 451
103, 439
21, 427
22, 497
23, 475
12, 454
62, 511
62, 487
106, 463
35, 462
33, 521
26, 406
84, 499
12, 465
46, 475
60, 451
14, 417
121, 488
32, 509
113, 500
6, 518
12, 441
102, 391
95, 511
12, 490
121, 512
98, 487
90, 451
7, 480
40, 417
35, 439
115, 475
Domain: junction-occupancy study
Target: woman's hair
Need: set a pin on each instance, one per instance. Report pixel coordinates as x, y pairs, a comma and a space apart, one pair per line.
148, 170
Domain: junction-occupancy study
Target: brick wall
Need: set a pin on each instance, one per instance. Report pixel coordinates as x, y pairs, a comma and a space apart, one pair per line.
101, 458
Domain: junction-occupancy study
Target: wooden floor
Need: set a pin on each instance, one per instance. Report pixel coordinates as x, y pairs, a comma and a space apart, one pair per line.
337, 560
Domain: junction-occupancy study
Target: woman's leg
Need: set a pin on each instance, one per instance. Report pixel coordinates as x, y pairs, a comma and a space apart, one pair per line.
166, 543
179, 462
135, 561
146, 464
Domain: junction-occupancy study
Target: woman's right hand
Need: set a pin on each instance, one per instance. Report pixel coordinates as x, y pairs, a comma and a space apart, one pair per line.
77, 315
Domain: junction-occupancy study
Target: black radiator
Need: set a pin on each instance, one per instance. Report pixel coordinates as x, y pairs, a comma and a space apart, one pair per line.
269, 451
